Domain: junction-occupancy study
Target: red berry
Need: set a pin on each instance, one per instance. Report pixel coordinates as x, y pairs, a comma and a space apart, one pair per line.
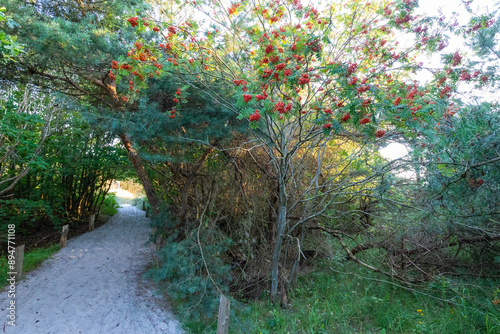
255, 116
364, 120
132, 21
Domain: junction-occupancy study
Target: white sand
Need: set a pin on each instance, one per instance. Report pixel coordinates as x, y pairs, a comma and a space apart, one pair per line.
94, 285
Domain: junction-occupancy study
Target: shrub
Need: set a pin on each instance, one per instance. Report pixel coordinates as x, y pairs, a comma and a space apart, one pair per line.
28, 216
110, 205
192, 276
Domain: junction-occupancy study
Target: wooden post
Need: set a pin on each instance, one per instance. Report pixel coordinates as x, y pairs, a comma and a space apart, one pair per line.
64, 235
18, 267
223, 318
143, 206
91, 222
147, 212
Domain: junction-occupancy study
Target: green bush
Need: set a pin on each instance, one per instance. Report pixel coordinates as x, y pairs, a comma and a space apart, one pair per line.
110, 205
28, 216
193, 278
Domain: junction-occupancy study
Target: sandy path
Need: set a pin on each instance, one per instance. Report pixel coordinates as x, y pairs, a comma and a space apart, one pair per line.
94, 285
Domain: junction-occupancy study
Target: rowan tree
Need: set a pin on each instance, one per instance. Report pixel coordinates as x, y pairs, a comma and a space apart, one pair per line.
303, 78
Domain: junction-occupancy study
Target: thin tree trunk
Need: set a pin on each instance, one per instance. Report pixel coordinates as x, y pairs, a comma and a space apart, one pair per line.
282, 209
141, 173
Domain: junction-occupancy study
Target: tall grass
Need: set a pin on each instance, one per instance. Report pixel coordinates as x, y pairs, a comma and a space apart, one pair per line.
344, 298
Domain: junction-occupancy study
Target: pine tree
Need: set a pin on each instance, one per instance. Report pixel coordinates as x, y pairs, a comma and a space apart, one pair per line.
69, 48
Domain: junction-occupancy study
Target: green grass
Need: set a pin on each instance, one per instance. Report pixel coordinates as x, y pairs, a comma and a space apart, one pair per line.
32, 260
328, 301
340, 296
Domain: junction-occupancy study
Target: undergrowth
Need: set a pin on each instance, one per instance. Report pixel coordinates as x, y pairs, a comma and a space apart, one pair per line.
110, 205
192, 276
342, 297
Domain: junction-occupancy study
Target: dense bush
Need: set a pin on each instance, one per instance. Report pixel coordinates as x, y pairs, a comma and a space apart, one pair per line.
30, 217
54, 168
109, 205
192, 271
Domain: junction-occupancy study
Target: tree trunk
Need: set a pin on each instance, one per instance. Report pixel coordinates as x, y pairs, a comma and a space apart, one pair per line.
141, 173
282, 209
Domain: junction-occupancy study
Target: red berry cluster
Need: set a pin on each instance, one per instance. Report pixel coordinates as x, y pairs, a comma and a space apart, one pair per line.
255, 116
457, 59
231, 10
133, 21
352, 68
465, 76
239, 82
366, 103
304, 78
363, 89
247, 98
445, 92
364, 120
281, 108
346, 117
262, 96
440, 81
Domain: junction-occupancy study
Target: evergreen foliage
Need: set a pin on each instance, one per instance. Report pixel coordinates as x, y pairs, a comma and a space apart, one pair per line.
73, 46
192, 272
9, 47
